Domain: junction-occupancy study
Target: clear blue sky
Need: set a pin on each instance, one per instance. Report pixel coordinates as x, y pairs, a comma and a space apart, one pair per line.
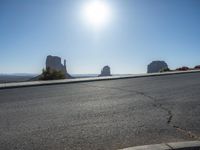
140, 31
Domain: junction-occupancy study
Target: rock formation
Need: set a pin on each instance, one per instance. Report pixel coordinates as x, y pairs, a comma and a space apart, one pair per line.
156, 66
105, 71
54, 63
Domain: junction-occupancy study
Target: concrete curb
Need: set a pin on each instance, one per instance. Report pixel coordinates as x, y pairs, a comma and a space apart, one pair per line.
65, 81
189, 145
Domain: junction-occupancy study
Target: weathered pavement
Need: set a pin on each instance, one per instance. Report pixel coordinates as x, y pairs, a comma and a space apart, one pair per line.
111, 114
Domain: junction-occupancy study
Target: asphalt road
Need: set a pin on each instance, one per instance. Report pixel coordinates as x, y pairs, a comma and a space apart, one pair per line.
101, 115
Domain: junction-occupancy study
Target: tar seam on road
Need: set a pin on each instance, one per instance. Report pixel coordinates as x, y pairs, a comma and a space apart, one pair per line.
157, 105
169, 146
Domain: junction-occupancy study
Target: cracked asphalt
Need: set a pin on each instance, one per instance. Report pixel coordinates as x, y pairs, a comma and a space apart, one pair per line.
101, 115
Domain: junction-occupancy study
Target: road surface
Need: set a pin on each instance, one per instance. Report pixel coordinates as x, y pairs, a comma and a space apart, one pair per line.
101, 115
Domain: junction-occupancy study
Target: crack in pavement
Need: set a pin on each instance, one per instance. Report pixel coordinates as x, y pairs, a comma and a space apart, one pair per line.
157, 105
169, 146
186, 132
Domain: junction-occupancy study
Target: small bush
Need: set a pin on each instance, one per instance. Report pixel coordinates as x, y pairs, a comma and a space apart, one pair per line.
183, 69
165, 70
48, 74
197, 67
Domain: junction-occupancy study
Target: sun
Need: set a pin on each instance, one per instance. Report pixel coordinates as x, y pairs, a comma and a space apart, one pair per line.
97, 13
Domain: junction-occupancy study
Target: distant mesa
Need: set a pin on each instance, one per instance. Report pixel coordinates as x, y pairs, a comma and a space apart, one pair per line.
156, 66
54, 63
54, 70
105, 71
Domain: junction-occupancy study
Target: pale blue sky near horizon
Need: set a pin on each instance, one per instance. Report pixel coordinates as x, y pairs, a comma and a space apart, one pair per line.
139, 32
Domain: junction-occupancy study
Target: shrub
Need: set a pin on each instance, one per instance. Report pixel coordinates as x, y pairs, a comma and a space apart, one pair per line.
165, 70
182, 68
197, 67
48, 74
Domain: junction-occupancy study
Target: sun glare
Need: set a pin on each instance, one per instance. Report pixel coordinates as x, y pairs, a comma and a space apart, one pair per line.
96, 13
